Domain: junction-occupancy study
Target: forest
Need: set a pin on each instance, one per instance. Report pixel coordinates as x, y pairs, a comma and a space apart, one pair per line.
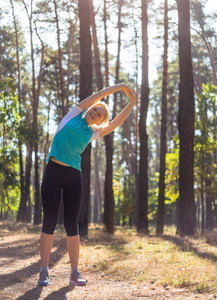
158, 168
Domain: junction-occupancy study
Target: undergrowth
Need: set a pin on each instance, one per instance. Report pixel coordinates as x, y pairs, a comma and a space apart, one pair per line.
168, 260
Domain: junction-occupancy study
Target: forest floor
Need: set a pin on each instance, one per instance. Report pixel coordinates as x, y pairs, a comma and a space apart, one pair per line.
123, 266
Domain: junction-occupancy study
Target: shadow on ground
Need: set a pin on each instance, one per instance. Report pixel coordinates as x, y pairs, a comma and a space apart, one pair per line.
22, 274
187, 245
35, 294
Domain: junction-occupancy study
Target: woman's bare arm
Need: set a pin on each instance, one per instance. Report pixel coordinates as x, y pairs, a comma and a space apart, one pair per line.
86, 103
122, 116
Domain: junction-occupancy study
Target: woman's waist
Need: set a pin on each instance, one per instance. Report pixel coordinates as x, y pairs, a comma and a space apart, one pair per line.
53, 158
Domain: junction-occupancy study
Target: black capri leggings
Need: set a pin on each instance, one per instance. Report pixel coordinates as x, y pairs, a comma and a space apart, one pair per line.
57, 178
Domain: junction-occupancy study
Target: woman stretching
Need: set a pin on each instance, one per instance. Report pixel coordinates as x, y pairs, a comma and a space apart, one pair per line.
85, 122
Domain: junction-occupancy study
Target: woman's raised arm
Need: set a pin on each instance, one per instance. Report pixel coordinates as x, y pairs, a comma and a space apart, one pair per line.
86, 103
122, 116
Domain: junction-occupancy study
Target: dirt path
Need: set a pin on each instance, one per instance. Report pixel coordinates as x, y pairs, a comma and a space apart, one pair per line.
19, 266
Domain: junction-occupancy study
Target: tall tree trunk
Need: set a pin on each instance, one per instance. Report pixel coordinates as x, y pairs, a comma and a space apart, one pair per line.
210, 199
202, 204
186, 221
137, 118
99, 80
1, 79
210, 196
214, 157
97, 194
37, 207
157, 142
47, 142
128, 154
117, 68
85, 91
106, 47
28, 168
163, 142
35, 97
28, 180
197, 204
108, 216
142, 205
68, 65
97, 63
62, 93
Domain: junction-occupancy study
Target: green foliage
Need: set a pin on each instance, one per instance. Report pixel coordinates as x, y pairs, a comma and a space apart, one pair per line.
127, 207
8, 159
7, 54
172, 177
124, 194
153, 198
9, 124
171, 188
205, 136
9, 183
171, 185
9, 116
12, 128
28, 133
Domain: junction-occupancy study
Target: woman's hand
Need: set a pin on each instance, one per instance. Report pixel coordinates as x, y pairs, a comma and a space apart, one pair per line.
129, 93
132, 98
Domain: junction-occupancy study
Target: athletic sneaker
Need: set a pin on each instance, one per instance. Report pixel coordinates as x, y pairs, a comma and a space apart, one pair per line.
76, 279
44, 279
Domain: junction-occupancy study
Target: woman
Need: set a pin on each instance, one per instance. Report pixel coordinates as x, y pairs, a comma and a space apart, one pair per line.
87, 121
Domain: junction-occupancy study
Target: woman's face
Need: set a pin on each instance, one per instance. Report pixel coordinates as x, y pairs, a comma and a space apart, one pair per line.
95, 115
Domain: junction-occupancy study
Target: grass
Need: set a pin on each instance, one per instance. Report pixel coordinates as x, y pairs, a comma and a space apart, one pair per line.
168, 260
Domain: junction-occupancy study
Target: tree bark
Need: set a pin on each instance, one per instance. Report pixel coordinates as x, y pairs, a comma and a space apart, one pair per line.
108, 216
163, 141
186, 221
62, 94
47, 142
68, 65
97, 63
28, 169
202, 205
142, 205
99, 80
137, 119
117, 68
97, 194
28, 179
210, 196
37, 206
85, 91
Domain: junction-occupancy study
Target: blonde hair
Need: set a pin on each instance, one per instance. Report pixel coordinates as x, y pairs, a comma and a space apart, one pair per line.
105, 121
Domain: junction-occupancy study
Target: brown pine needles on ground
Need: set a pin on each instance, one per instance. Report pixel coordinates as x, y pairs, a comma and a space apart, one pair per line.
120, 266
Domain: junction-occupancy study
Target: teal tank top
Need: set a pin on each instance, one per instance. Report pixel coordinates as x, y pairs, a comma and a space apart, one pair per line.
71, 138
